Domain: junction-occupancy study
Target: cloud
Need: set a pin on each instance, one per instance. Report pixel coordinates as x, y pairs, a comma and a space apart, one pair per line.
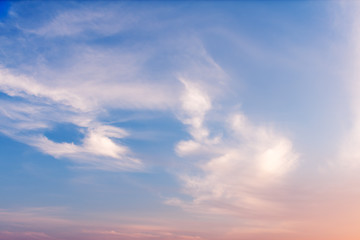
98, 150
141, 232
250, 177
36, 216
85, 85
349, 151
81, 83
33, 107
50, 223
194, 105
7, 235
22, 86
77, 21
232, 171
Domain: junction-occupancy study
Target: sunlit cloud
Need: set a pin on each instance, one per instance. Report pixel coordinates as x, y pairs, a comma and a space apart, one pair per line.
233, 170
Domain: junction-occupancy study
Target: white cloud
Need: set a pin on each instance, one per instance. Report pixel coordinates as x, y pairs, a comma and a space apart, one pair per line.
98, 150
39, 106
234, 169
81, 83
88, 82
194, 106
22, 86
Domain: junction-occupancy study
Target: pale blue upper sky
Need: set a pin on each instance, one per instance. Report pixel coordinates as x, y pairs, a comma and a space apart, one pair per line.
193, 113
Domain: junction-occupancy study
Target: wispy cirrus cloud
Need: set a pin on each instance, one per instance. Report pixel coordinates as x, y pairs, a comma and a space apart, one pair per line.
77, 21
86, 85
39, 107
91, 80
141, 232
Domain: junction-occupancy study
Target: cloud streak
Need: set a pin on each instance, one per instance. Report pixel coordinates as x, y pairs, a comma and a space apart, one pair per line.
40, 106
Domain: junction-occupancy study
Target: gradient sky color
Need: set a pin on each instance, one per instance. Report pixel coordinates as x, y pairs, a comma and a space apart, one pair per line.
206, 120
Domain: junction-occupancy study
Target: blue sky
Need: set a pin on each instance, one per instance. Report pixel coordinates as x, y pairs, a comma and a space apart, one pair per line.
179, 119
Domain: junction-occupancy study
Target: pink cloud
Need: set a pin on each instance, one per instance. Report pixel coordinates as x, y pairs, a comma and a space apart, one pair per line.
7, 235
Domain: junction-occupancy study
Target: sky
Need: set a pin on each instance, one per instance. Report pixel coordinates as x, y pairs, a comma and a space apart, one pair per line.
202, 120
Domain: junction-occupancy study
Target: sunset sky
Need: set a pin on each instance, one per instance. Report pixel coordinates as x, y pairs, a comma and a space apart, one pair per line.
171, 120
